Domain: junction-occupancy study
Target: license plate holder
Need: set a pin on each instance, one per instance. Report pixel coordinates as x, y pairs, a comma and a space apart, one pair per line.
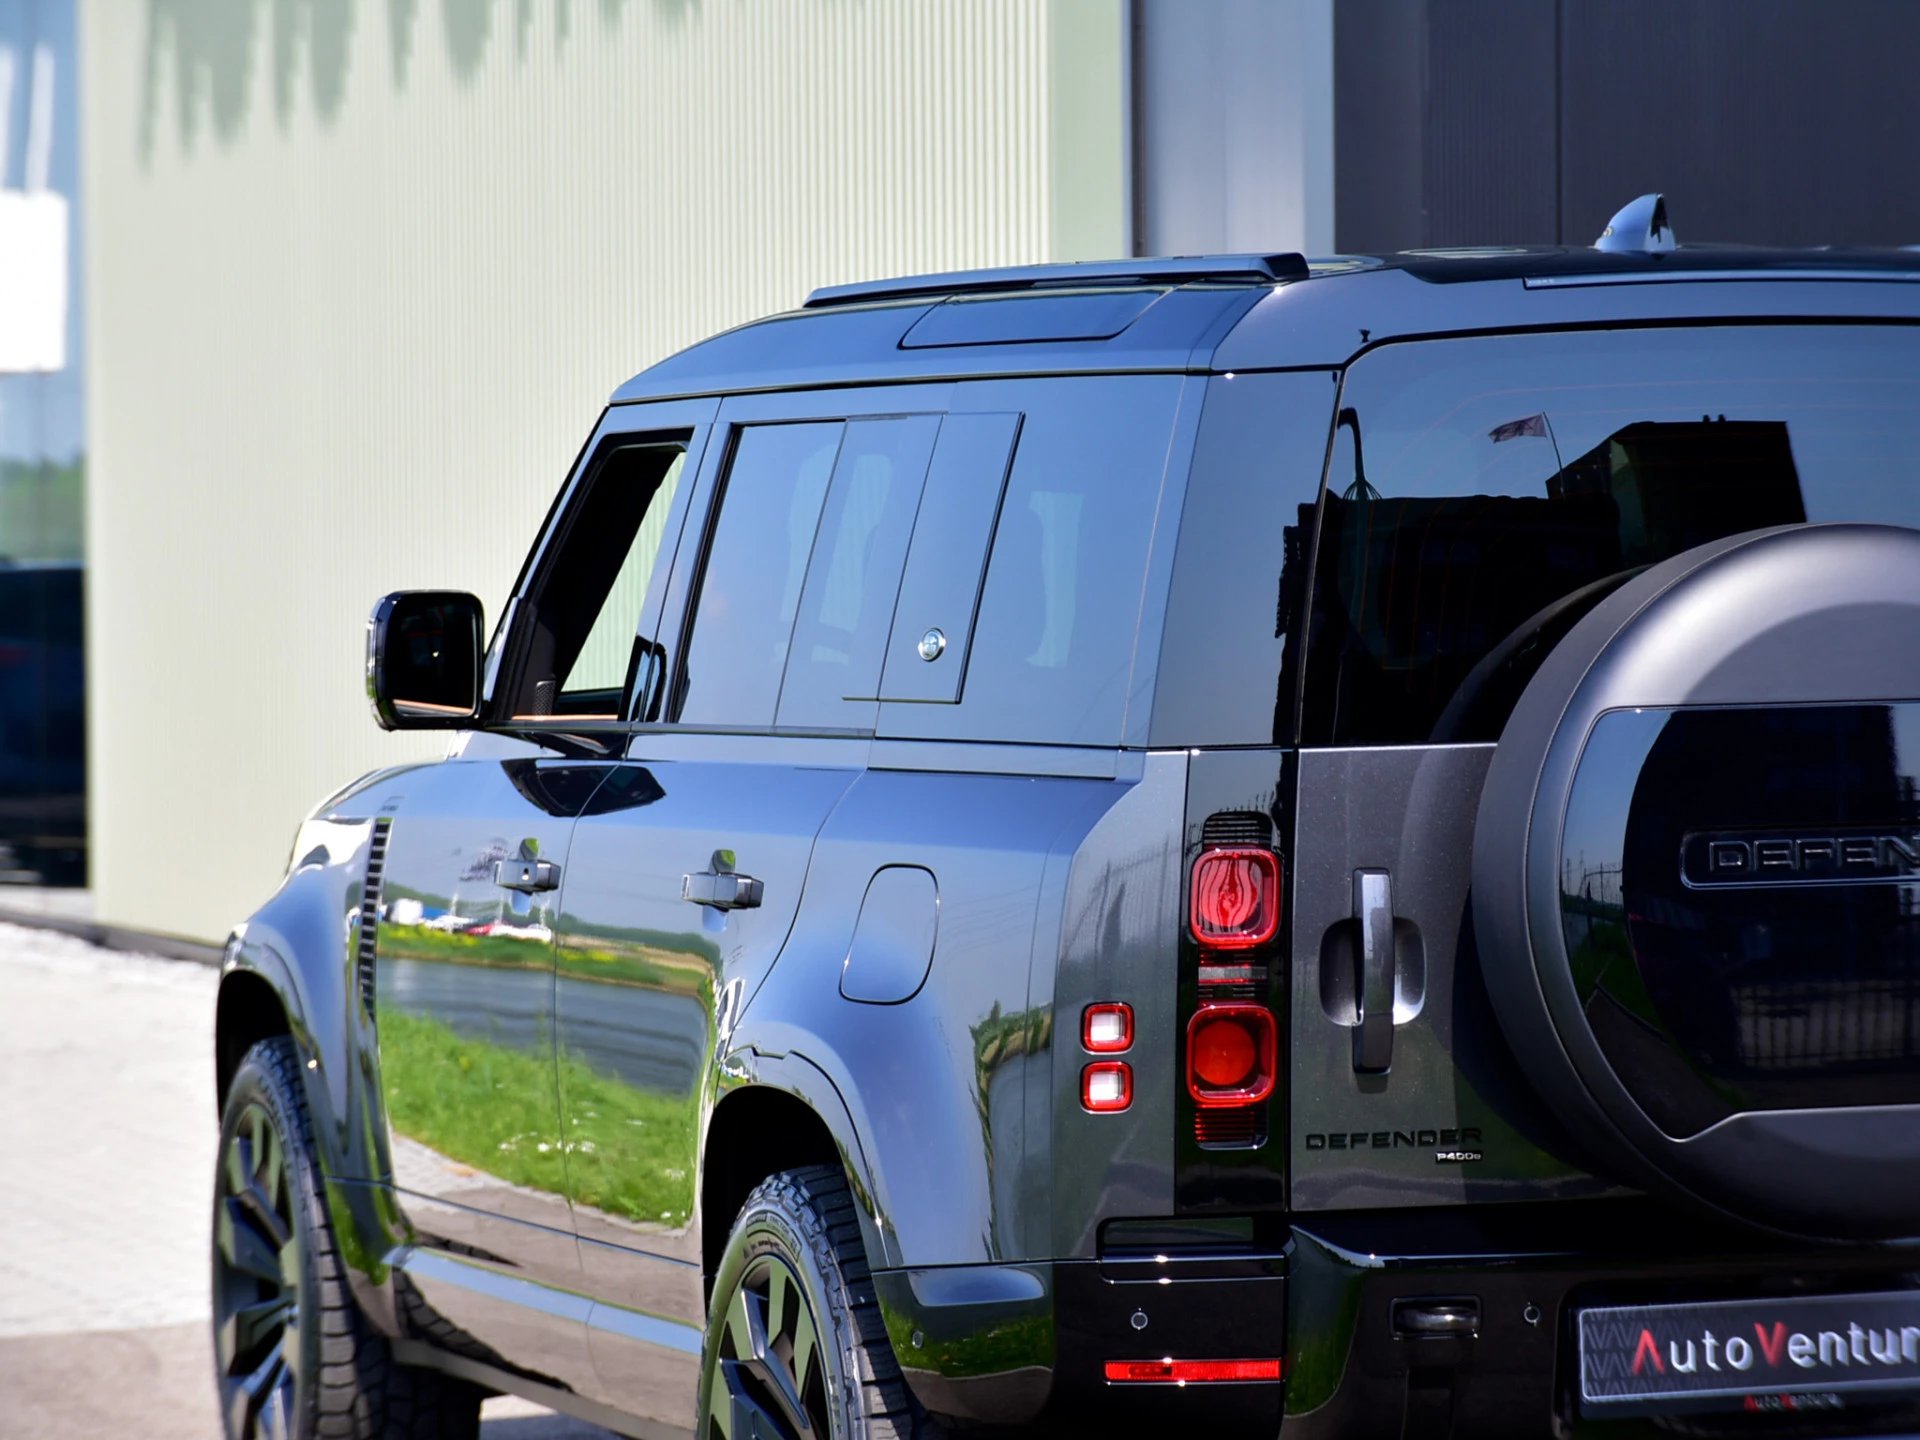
1796, 1353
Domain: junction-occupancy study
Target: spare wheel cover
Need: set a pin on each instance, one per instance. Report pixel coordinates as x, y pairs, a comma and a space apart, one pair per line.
1696, 879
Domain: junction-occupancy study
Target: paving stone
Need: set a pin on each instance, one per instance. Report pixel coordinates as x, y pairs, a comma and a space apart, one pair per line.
108, 1136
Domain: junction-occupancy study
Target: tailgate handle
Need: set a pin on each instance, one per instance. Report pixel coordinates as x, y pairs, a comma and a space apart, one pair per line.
1373, 996
721, 889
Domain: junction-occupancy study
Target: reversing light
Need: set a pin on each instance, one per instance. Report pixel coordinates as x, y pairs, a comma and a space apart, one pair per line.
1106, 1086
1231, 1051
1236, 898
1189, 1372
1106, 1029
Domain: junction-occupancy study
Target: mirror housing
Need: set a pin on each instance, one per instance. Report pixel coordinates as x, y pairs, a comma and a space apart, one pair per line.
423, 660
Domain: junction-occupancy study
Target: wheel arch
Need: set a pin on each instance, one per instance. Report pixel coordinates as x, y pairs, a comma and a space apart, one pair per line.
785, 1113
249, 1010
756, 1131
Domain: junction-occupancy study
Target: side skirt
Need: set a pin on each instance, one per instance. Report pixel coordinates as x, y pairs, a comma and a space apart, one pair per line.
505, 1382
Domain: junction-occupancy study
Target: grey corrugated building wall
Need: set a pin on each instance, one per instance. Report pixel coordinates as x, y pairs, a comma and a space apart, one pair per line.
363, 274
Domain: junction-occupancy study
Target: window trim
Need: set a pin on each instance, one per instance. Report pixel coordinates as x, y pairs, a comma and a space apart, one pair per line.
684, 426
737, 413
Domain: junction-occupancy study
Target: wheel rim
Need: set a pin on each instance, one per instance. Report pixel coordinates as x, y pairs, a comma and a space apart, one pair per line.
769, 1379
256, 1281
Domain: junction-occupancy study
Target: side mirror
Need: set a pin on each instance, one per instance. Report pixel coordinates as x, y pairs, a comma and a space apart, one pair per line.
423, 660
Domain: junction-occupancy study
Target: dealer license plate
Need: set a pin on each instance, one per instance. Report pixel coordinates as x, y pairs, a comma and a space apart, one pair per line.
1803, 1353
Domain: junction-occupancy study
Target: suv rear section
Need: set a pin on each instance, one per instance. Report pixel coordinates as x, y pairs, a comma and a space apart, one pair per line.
1560, 689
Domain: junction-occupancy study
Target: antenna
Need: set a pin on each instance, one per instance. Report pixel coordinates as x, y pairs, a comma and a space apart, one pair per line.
1639, 228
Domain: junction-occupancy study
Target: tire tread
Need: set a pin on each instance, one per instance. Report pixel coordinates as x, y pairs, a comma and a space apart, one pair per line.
361, 1392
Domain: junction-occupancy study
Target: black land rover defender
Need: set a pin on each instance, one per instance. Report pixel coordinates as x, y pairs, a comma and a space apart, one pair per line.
1222, 846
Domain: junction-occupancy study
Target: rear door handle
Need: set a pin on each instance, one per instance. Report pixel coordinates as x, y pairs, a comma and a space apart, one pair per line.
529, 877
1373, 911
723, 890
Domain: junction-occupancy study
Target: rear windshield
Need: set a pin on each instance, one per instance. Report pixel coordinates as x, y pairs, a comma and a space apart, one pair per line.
1483, 494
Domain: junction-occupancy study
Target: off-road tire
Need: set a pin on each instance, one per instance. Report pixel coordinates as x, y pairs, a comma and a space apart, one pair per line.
805, 1221
336, 1377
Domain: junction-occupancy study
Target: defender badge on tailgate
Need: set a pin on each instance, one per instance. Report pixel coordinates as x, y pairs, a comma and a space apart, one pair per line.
1450, 1146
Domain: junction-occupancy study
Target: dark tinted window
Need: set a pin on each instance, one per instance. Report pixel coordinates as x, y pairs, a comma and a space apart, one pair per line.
756, 565
1484, 494
1227, 674
581, 648
833, 666
1052, 649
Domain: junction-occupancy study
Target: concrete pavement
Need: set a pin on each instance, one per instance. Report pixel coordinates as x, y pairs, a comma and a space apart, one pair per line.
107, 1134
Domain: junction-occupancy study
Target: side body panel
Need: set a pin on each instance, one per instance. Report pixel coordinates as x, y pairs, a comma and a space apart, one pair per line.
463, 990
942, 1084
649, 984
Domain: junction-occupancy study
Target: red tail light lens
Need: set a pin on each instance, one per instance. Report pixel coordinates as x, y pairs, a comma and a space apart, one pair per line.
1236, 898
1106, 1086
1189, 1372
1231, 1051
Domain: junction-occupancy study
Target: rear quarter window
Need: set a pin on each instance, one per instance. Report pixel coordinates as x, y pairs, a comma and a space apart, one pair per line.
1052, 647
1483, 494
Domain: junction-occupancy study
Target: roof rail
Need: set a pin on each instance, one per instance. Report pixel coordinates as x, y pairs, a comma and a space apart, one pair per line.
1174, 270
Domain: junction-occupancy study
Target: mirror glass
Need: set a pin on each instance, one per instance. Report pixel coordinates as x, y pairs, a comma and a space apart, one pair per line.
424, 659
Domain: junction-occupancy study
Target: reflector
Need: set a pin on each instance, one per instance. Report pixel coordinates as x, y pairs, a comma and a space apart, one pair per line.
1187, 1372
1223, 1054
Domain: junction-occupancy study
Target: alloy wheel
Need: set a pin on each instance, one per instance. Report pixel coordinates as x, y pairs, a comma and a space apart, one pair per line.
256, 1282
769, 1382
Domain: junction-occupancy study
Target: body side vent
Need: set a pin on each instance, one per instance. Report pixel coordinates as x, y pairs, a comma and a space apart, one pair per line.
369, 933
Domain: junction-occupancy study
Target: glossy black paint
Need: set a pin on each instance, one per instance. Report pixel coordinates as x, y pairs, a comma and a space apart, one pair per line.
1793, 985
944, 1073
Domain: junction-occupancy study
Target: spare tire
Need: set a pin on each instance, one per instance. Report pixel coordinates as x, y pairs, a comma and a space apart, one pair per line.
1696, 880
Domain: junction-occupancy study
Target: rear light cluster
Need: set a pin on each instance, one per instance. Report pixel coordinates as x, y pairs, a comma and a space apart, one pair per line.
1236, 898
1106, 1086
1233, 1041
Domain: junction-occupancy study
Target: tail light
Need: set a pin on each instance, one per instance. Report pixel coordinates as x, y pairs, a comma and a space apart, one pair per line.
1231, 1054
1236, 898
1106, 1086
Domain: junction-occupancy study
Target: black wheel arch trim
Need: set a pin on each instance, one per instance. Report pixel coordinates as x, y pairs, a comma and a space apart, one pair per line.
296, 945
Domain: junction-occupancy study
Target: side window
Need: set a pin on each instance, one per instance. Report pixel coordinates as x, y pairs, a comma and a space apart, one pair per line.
833, 668
608, 651
1229, 652
1052, 647
580, 649
755, 566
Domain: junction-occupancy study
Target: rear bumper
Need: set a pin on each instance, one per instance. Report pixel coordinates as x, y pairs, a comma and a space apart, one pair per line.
1365, 1312
1357, 1369
1027, 1344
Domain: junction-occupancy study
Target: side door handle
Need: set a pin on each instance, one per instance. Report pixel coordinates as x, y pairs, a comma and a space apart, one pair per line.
722, 889
529, 877
1373, 912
